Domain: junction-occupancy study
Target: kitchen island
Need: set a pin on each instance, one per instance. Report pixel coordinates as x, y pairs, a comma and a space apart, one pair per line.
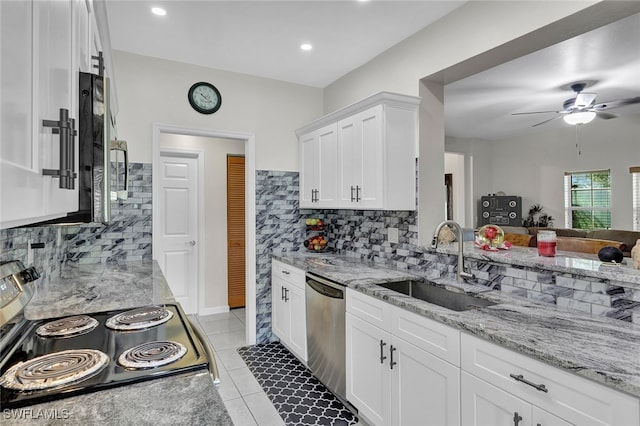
178, 399
601, 349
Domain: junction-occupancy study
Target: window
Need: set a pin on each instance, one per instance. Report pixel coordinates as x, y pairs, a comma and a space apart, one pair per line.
635, 182
587, 199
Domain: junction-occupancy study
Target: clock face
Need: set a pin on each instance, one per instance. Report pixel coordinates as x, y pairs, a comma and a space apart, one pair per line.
204, 98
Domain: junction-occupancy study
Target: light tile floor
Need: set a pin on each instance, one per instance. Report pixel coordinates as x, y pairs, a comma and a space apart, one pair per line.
245, 400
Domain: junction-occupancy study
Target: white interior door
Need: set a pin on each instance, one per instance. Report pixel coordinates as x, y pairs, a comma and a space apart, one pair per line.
178, 224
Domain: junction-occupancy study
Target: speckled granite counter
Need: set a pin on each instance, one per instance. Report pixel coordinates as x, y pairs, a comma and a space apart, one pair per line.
182, 399
602, 349
564, 261
177, 400
80, 289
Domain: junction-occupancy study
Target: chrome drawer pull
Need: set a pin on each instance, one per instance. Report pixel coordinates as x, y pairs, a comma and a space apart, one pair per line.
391, 361
382, 357
520, 378
516, 419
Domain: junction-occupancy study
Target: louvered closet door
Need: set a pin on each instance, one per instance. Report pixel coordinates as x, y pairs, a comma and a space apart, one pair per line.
235, 231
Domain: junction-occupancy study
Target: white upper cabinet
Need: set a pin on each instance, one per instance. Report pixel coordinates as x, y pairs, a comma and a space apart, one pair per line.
371, 165
318, 180
44, 44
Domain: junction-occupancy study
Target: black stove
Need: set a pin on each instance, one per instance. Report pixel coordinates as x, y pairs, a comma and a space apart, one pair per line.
148, 344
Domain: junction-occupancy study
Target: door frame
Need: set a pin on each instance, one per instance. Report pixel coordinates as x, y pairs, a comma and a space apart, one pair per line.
198, 155
250, 203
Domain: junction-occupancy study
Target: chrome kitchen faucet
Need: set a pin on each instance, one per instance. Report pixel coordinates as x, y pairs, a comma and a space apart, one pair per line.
461, 274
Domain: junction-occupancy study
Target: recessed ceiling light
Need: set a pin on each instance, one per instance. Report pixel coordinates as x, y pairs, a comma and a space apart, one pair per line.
158, 11
306, 46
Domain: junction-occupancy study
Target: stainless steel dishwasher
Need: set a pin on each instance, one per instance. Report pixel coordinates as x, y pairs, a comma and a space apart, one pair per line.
326, 305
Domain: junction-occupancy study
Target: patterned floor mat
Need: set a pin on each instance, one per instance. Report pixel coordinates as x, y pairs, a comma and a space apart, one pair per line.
298, 396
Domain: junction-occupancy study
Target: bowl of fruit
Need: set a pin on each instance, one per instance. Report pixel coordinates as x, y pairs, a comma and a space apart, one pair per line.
492, 235
316, 244
315, 224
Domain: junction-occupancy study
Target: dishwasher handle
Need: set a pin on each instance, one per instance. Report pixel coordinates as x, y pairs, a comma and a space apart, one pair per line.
325, 287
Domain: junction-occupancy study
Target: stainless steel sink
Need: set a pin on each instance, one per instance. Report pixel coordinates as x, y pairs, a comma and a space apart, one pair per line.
438, 295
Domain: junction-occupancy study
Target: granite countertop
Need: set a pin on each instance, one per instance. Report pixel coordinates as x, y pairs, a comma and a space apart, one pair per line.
180, 399
601, 349
82, 289
564, 261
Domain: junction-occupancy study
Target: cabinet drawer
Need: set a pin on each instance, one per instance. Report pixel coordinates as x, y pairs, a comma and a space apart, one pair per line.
572, 398
288, 273
369, 309
431, 336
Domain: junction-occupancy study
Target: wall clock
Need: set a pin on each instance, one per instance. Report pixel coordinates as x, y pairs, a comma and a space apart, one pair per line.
204, 97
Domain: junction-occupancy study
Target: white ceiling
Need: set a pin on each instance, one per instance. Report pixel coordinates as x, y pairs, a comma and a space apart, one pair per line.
262, 38
480, 106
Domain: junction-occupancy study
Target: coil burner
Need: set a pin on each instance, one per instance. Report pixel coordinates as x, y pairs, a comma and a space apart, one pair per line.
54, 370
67, 327
139, 319
151, 355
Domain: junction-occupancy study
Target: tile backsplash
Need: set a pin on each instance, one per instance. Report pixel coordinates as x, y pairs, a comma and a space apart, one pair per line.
126, 238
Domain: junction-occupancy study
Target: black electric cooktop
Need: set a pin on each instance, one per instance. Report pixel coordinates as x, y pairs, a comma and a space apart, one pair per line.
112, 343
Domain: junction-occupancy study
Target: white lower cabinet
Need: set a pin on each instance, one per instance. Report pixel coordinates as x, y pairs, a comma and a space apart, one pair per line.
498, 382
405, 369
288, 307
391, 381
484, 404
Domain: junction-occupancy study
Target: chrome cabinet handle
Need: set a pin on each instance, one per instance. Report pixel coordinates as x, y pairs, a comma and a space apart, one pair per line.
65, 127
352, 188
286, 294
391, 361
520, 378
284, 271
281, 293
358, 194
382, 357
192, 243
516, 418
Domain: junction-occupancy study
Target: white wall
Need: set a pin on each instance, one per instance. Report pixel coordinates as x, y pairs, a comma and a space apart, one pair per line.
215, 209
155, 90
474, 28
534, 165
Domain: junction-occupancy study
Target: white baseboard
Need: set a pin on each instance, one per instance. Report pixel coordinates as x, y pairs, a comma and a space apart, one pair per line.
213, 310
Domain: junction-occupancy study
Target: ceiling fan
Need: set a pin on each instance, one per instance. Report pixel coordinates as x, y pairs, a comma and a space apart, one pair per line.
582, 108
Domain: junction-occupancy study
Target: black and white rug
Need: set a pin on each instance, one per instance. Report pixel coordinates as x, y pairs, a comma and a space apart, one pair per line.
298, 396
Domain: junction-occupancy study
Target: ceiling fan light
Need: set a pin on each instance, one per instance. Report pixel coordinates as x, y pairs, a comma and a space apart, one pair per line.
581, 117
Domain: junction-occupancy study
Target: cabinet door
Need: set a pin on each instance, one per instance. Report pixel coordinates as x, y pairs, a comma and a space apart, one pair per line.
297, 321
425, 390
56, 89
361, 171
280, 318
82, 35
367, 369
542, 418
20, 177
309, 169
318, 168
483, 404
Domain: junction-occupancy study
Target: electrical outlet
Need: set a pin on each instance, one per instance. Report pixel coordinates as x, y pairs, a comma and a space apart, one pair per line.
392, 235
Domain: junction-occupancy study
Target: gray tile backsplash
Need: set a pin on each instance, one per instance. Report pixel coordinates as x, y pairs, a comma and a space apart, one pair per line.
126, 238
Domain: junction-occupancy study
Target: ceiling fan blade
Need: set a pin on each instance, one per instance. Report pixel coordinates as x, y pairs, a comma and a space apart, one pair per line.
584, 100
606, 115
616, 104
546, 121
538, 112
